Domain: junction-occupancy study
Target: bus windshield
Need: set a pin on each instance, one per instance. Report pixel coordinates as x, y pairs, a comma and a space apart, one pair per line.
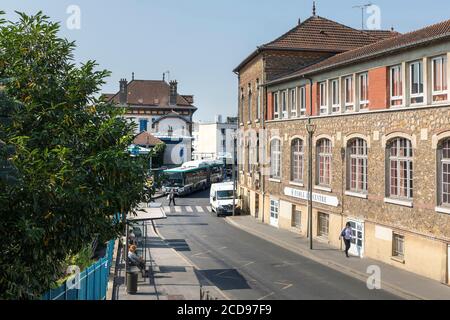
174, 179
225, 194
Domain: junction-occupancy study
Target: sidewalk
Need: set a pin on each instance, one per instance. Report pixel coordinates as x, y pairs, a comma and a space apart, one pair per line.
171, 276
402, 283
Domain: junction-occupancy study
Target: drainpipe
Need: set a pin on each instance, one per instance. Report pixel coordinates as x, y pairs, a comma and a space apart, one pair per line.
263, 123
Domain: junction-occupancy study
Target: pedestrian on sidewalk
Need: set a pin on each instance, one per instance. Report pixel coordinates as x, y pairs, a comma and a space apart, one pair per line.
171, 197
347, 235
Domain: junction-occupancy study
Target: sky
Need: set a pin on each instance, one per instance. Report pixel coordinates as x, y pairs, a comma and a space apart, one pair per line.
201, 41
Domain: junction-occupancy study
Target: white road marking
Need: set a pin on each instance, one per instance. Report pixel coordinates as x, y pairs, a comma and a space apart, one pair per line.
199, 209
247, 264
223, 248
177, 209
200, 253
286, 285
269, 295
189, 209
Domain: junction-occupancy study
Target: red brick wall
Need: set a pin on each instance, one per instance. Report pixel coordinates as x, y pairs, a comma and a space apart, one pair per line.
269, 112
379, 88
315, 97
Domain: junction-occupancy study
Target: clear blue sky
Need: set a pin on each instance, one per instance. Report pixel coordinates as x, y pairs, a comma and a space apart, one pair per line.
201, 41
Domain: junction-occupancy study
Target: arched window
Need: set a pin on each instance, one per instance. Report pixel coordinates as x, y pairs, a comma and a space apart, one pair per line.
357, 166
297, 156
324, 158
444, 173
275, 159
400, 166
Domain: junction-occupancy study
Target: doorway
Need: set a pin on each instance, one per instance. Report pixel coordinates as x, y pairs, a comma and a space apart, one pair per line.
274, 212
357, 248
256, 205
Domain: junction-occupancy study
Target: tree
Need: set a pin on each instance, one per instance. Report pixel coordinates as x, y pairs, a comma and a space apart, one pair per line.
68, 150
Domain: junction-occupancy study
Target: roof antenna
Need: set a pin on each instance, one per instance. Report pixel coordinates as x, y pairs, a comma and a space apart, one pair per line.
362, 7
132, 76
314, 8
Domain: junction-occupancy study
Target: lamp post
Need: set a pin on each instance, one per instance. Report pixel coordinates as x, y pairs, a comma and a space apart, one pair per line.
310, 128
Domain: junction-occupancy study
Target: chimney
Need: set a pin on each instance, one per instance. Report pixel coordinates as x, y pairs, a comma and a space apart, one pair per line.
123, 91
173, 92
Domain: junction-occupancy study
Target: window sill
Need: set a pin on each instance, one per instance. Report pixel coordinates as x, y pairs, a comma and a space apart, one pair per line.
443, 210
398, 259
298, 184
320, 188
241, 124
404, 203
257, 121
249, 122
274, 180
356, 194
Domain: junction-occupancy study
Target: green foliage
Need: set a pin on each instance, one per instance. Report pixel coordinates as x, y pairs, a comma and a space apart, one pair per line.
66, 151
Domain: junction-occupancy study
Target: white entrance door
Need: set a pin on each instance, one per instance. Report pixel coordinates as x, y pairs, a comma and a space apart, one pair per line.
448, 264
357, 248
274, 212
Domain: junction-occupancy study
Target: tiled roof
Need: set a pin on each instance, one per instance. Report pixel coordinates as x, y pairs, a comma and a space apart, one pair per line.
383, 34
317, 33
146, 139
151, 93
420, 37
320, 34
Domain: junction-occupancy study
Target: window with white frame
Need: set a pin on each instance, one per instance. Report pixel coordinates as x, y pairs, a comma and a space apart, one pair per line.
302, 101
258, 100
396, 85
444, 173
363, 91
335, 96
242, 106
324, 155
357, 166
249, 103
398, 246
284, 107
249, 153
293, 102
349, 94
276, 106
439, 79
400, 166
323, 101
297, 156
275, 159
416, 82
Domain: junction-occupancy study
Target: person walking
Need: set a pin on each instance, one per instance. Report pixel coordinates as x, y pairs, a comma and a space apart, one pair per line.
171, 197
347, 235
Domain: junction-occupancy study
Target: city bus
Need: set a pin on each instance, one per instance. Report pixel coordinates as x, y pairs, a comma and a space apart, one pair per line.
193, 176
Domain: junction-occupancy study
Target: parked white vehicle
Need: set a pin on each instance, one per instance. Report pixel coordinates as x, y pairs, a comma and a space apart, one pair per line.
221, 198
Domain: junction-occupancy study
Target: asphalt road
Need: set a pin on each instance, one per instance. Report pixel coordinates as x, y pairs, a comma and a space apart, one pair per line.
246, 267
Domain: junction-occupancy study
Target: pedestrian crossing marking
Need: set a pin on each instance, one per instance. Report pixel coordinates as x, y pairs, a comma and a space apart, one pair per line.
188, 209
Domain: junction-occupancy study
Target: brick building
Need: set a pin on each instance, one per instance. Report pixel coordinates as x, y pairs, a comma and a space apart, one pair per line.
155, 106
381, 148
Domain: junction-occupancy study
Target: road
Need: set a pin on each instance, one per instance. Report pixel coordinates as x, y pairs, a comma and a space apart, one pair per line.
246, 267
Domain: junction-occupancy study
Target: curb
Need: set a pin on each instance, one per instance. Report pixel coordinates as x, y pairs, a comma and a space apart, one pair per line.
335, 266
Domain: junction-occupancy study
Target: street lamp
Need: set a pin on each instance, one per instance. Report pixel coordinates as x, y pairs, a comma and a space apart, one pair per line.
311, 129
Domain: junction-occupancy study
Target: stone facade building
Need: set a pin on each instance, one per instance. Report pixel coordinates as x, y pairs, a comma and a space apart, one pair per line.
381, 149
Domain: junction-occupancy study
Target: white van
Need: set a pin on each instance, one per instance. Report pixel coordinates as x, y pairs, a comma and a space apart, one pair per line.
221, 198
